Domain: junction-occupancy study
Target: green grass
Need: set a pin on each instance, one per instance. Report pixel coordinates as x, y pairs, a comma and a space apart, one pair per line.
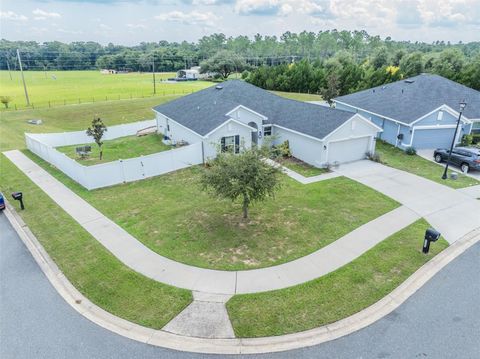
87, 264
299, 96
119, 148
336, 295
397, 158
13, 124
70, 86
171, 215
301, 167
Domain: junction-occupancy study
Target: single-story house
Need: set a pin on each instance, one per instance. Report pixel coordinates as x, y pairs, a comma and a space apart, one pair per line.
189, 74
419, 112
235, 114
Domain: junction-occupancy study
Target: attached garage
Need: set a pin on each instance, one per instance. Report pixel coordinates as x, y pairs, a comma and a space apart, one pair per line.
432, 138
348, 150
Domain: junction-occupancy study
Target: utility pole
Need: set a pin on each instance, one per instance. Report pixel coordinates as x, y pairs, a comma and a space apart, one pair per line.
8, 67
153, 69
23, 78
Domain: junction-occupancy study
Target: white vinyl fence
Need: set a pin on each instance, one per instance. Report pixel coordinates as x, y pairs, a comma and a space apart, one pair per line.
111, 173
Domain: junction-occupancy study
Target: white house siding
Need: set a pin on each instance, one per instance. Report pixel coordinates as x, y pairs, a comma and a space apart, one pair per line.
306, 149
212, 143
177, 132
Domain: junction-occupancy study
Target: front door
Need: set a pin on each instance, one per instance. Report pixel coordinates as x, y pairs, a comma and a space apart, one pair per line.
254, 133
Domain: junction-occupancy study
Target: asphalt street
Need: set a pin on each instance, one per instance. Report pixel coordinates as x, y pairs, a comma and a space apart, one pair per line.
441, 320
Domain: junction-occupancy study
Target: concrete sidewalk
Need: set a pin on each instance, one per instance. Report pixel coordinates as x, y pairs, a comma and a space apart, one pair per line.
452, 212
141, 259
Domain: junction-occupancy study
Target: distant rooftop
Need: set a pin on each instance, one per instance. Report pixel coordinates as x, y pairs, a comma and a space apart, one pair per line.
409, 99
205, 110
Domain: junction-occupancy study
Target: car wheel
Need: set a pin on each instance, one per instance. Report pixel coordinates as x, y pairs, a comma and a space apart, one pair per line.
438, 158
465, 167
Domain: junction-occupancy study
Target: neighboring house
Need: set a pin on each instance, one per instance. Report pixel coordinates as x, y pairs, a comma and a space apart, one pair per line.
189, 74
108, 71
235, 114
421, 111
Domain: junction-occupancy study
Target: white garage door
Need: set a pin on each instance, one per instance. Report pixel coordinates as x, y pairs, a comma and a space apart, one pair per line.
348, 150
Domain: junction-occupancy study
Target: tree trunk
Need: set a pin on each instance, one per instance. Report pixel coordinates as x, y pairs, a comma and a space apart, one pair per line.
101, 153
245, 206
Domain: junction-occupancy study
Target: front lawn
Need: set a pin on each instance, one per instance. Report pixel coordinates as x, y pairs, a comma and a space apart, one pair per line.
396, 158
173, 217
301, 167
336, 295
119, 148
91, 268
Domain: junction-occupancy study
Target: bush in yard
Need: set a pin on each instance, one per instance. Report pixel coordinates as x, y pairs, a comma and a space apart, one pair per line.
97, 131
467, 140
284, 149
245, 74
245, 176
411, 151
5, 100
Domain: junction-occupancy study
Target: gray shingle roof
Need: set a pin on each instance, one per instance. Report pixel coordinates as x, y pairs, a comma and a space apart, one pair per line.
421, 95
205, 110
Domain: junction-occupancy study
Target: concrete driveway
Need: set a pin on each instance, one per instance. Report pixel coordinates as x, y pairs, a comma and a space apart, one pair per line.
453, 213
428, 155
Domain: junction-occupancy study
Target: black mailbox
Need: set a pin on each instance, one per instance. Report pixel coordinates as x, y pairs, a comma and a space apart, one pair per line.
18, 196
431, 235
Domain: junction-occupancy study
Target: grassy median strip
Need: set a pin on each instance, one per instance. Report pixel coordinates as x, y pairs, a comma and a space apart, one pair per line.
337, 295
301, 167
172, 216
87, 264
396, 158
119, 148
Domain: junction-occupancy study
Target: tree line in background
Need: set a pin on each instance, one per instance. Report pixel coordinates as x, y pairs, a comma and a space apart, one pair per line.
258, 51
342, 73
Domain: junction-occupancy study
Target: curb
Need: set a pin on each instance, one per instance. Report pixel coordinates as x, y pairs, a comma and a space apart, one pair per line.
235, 346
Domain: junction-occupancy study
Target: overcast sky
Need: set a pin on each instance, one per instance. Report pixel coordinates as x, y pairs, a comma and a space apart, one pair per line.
130, 22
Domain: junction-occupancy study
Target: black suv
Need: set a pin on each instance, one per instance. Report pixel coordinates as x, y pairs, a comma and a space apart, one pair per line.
467, 158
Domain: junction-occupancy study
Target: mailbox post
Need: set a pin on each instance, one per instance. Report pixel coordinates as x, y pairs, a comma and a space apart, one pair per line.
431, 235
18, 196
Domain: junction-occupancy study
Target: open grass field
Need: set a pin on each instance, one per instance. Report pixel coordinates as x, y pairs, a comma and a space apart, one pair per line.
336, 295
13, 124
172, 215
71, 87
91, 268
119, 148
299, 96
394, 157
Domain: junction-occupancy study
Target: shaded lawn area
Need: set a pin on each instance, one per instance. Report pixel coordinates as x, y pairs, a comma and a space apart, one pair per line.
13, 124
119, 148
299, 96
87, 264
396, 158
336, 295
171, 215
301, 167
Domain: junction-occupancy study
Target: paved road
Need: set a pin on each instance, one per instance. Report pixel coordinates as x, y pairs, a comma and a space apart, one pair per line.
442, 320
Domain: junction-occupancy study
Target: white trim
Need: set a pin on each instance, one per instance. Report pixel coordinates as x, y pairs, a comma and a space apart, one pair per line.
298, 133
354, 117
185, 127
373, 113
445, 108
396, 138
225, 123
246, 109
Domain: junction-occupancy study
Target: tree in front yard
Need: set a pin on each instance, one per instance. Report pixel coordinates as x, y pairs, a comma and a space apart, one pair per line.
97, 130
245, 176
